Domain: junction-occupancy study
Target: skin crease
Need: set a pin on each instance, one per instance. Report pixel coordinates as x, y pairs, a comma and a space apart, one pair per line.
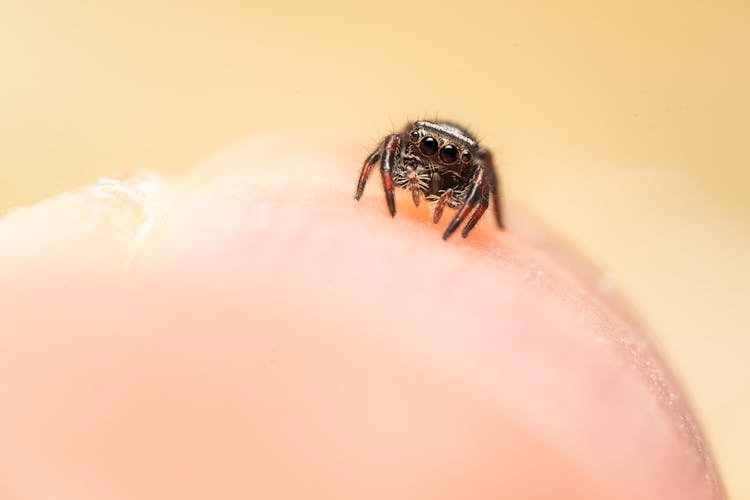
250, 331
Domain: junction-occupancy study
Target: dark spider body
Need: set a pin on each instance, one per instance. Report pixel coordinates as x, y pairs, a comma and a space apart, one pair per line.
441, 162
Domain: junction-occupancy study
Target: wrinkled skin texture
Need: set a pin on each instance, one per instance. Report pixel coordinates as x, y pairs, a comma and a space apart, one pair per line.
250, 331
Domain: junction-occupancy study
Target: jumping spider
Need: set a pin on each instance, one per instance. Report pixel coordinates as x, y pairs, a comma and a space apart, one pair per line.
442, 162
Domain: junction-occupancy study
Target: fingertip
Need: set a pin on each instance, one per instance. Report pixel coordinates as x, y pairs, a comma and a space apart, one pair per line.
299, 303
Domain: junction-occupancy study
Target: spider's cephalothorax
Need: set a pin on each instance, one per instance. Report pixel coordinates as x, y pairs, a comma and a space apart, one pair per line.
442, 162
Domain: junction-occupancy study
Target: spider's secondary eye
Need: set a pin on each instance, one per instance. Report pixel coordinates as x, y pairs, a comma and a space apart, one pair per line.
428, 146
414, 135
449, 154
466, 157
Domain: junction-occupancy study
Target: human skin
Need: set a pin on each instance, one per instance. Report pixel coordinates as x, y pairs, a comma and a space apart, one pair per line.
250, 331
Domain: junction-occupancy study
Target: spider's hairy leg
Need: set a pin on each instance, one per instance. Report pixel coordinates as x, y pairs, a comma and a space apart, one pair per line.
366, 168
476, 195
475, 217
485, 158
391, 147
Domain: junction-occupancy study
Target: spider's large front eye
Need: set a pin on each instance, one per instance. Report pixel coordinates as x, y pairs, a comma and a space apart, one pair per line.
449, 154
428, 146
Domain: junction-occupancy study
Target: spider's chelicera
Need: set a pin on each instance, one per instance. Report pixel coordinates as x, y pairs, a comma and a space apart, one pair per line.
443, 163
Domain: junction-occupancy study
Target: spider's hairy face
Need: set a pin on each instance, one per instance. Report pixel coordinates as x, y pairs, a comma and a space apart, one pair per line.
442, 145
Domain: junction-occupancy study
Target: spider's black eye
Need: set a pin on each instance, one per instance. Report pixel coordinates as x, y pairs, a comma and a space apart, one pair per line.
414, 135
449, 154
466, 157
428, 146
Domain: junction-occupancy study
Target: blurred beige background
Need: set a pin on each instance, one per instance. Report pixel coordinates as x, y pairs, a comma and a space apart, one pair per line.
623, 125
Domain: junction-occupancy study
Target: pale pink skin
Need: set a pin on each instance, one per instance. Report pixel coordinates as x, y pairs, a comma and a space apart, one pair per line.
271, 338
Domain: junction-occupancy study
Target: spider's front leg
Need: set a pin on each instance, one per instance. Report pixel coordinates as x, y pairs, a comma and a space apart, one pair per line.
366, 167
390, 153
475, 203
485, 160
386, 153
484, 184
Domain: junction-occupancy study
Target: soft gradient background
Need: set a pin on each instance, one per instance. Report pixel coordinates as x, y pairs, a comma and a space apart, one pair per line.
625, 126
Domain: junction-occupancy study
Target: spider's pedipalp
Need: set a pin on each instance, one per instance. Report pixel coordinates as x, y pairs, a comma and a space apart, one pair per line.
440, 205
